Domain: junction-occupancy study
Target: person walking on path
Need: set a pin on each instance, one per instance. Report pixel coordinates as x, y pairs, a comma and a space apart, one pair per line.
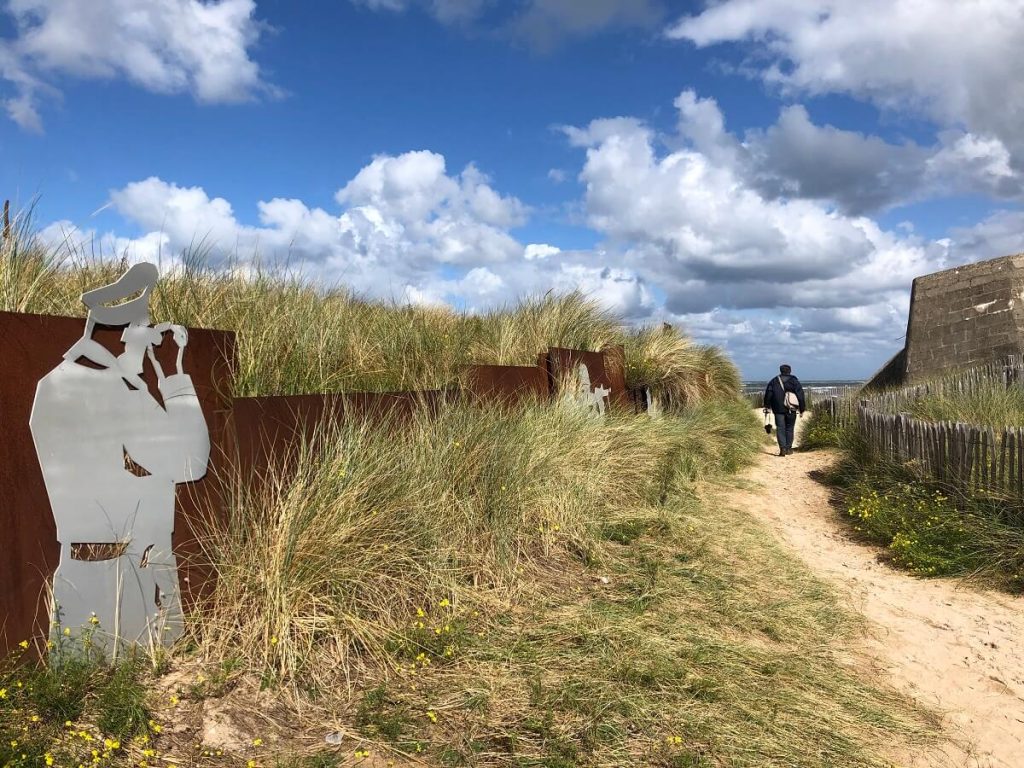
784, 397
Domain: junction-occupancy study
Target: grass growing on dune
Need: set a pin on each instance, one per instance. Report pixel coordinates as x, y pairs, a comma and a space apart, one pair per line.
994, 405
295, 337
542, 590
459, 500
929, 527
477, 586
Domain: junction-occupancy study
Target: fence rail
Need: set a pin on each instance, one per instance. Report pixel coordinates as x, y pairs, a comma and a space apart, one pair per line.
974, 458
1008, 372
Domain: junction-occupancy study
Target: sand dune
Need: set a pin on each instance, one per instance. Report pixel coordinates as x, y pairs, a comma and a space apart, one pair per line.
947, 644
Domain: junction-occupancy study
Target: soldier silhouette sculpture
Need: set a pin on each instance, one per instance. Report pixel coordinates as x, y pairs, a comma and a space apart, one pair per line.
111, 455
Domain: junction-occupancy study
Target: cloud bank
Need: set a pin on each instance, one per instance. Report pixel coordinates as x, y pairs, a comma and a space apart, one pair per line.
762, 241
163, 46
405, 230
955, 63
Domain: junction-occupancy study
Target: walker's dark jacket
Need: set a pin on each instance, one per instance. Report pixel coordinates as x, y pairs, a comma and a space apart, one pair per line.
775, 397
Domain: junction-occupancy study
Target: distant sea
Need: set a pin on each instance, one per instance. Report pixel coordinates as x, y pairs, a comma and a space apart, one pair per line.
809, 386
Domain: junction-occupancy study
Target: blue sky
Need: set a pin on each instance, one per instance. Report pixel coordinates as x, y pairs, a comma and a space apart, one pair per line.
770, 174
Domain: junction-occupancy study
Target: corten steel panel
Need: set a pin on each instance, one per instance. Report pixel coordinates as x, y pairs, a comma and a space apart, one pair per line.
507, 384
565, 362
615, 367
31, 346
267, 431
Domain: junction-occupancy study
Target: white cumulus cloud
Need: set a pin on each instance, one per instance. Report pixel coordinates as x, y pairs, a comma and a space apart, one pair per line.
957, 63
739, 265
164, 46
540, 251
405, 228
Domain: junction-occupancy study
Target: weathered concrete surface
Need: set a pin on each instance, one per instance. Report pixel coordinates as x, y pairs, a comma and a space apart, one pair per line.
959, 318
966, 316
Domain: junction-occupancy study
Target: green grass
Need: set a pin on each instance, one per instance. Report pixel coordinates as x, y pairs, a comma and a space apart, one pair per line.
822, 431
930, 528
545, 589
59, 712
383, 521
479, 586
682, 658
320, 760
121, 707
992, 405
295, 336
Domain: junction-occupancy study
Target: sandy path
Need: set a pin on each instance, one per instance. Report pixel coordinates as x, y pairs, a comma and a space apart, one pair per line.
950, 646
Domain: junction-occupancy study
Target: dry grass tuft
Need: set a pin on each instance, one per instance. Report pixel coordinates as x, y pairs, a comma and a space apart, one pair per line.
296, 337
541, 587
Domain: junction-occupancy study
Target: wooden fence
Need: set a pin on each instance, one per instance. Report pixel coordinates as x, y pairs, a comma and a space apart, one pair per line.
842, 410
1008, 372
974, 458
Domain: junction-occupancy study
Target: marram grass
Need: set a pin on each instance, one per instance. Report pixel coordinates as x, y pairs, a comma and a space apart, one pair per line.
993, 404
543, 587
929, 526
294, 337
536, 587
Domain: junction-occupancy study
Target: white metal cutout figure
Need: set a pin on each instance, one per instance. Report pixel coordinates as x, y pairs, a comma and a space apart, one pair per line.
592, 398
111, 455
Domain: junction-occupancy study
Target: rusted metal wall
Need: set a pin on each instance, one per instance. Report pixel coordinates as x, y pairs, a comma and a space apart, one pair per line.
606, 368
507, 384
266, 431
248, 435
30, 346
615, 369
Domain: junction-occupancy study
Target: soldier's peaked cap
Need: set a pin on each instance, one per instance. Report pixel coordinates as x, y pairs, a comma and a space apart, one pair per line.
139, 277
